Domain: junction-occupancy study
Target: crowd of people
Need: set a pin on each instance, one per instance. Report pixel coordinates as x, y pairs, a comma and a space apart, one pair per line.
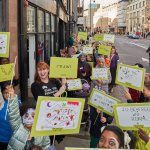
16, 119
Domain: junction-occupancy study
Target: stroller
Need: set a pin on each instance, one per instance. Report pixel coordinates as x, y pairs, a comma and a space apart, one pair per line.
84, 93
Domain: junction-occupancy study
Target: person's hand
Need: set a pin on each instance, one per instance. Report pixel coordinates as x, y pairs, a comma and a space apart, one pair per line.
127, 95
143, 135
63, 81
99, 82
103, 120
10, 91
98, 111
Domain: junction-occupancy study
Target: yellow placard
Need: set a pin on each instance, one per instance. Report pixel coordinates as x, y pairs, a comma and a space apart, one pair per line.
104, 50
4, 44
63, 67
57, 116
6, 72
98, 37
82, 35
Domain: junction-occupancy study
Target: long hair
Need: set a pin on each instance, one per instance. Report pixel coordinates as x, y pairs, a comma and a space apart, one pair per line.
40, 65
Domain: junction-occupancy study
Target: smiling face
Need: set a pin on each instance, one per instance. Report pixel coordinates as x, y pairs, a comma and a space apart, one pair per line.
113, 51
82, 58
109, 140
43, 73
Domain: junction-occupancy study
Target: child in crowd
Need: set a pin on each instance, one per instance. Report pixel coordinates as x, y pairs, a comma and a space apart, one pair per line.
5, 129
21, 124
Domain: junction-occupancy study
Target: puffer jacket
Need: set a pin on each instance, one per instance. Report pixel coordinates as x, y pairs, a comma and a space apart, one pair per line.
20, 133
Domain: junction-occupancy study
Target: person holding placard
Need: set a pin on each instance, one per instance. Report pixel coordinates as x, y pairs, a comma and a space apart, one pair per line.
112, 137
102, 84
21, 124
98, 121
43, 86
84, 69
114, 58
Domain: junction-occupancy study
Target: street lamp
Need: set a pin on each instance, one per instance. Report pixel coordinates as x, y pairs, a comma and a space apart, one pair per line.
91, 17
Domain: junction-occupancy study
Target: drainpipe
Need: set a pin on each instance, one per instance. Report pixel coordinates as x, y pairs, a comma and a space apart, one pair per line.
22, 40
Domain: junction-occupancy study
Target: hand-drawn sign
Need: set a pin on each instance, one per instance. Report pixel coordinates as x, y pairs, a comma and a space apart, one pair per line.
104, 50
55, 116
109, 38
132, 116
130, 76
6, 72
87, 50
4, 44
63, 67
102, 101
82, 35
74, 84
100, 73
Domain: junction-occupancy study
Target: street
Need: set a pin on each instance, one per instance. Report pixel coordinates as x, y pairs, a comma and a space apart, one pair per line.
132, 51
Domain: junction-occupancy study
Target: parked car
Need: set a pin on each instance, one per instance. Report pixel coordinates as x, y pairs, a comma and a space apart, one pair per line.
133, 36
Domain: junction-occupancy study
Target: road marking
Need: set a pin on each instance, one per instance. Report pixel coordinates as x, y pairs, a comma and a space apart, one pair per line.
138, 45
145, 60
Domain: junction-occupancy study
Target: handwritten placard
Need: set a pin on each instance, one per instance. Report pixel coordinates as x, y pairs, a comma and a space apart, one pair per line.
56, 116
74, 84
82, 35
6, 72
63, 67
104, 50
109, 38
130, 76
88, 50
102, 101
98, 37
100, 73
132, 116
73, 148
4, 44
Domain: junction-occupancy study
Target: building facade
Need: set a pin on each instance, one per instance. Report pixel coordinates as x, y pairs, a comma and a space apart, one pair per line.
121, 16
38, 30
107, 21
136, 16
147, 16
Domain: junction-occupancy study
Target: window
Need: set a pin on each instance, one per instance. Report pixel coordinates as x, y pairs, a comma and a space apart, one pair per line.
140, 5
40, 47
31, 19
143, 3
53, 23
40, 21
136, 6
47, 17
3, 14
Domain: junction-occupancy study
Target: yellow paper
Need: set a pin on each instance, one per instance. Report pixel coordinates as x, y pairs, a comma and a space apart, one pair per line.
82, 35
6, 72
63, 67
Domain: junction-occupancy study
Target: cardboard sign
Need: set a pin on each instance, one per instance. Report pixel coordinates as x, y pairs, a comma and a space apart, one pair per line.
4, 44
87, 50
56, 116
109, 38
100, 73
102, 101
63, 67
82, 35
6, 72
74, 84
104, 50
98, 37
73, 148
132, 116
130, 76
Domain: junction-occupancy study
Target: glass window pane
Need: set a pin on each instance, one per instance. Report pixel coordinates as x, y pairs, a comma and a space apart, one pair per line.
40, 21
31, 19
47, 47
47, 17
40, 47
53, 23
52, 44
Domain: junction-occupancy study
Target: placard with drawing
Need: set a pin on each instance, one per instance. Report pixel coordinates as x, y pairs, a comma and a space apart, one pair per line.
99, 73
132, 116
130, 76
88, 50
4, 44
56, 116
102, 101
74, 84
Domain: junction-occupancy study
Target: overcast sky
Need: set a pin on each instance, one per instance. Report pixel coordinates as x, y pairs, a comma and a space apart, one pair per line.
104, 2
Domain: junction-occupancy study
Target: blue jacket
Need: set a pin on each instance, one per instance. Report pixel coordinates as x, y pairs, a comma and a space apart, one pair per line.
5, 129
